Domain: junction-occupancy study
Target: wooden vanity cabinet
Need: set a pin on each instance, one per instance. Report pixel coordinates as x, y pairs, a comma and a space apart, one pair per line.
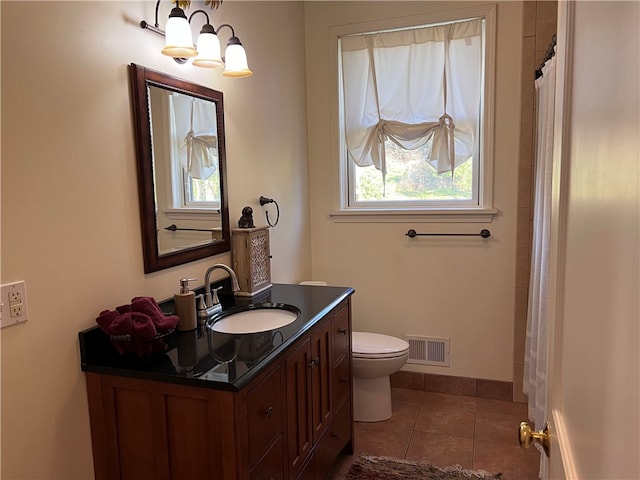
290, 422
309, 396
319, 393
339, 434
150, 430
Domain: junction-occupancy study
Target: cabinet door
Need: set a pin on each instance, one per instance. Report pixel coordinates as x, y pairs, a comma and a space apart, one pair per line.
299, 432
321, 378
163, 431
251, 258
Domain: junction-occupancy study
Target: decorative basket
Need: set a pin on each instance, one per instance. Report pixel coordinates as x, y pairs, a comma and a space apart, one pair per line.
141, 347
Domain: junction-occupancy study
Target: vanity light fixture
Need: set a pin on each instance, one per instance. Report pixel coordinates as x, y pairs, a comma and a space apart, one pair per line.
179, 44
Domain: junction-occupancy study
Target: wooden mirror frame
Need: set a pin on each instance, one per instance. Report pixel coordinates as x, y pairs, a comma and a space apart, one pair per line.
141, 78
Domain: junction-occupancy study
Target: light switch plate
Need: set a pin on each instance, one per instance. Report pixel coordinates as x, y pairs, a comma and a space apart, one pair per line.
13, 304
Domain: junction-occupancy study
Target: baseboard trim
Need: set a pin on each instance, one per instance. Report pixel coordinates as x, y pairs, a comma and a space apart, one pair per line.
566, 453
473, 387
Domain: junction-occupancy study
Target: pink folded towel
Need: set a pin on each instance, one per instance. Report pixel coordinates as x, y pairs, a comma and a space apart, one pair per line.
148, 306
105, 320
142, 324
121, 325
123, 309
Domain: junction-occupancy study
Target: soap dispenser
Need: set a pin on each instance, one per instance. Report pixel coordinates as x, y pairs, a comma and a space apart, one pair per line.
185, 304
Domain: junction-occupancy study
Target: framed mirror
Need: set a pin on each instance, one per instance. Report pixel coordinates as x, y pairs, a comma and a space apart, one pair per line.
180, 150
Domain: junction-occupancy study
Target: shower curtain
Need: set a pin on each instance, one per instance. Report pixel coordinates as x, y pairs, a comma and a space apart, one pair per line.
535, 363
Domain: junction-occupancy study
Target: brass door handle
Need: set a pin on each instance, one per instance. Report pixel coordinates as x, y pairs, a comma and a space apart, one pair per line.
527, 436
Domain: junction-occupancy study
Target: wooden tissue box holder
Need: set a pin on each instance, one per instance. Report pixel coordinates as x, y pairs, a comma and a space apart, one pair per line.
251, 257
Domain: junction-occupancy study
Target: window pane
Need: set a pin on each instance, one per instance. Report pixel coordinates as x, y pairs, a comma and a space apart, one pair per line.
411, 179
203, 191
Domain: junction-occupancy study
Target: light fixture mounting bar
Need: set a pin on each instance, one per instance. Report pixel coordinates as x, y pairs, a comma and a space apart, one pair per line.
148, 26
156, 27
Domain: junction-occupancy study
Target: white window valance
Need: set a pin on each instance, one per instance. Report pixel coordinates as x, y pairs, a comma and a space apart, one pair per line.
195, 128
417, 88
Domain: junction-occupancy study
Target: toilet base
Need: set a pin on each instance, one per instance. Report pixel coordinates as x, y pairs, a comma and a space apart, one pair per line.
371, 399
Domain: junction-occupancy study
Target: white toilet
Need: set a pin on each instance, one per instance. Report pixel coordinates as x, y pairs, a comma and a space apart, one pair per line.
375, 357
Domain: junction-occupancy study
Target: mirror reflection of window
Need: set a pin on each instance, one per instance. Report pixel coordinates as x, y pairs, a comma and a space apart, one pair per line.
186, 170
194, 151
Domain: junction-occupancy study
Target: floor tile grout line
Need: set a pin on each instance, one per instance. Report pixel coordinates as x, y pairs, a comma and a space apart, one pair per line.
406, 451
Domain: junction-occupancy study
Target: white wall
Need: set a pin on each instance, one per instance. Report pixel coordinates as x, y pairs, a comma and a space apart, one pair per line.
438, 287
70, 221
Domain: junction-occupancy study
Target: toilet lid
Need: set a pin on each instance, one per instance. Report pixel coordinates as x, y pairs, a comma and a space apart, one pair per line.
377, 345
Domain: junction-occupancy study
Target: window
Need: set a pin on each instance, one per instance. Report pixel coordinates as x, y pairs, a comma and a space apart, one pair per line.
194, 172
414, 110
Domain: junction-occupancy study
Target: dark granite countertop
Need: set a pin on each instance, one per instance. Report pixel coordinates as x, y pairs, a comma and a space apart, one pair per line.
211, 359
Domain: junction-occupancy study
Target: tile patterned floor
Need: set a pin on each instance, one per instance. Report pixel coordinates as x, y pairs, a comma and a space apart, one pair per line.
446, 429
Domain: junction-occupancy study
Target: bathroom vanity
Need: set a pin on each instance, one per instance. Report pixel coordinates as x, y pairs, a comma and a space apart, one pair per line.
266, 405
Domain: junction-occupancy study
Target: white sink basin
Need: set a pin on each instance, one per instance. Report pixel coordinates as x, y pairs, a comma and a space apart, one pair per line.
255, 318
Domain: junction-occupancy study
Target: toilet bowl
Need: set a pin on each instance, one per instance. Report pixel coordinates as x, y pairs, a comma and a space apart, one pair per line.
375, 357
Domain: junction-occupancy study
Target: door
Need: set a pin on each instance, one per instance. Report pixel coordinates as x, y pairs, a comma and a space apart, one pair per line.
594, 366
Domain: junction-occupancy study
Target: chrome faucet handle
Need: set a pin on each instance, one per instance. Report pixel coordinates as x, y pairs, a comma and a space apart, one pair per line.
207, 299
200, 301
201, 306
215, 300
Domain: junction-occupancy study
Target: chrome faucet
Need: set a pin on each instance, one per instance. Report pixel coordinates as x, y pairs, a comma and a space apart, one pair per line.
210, 304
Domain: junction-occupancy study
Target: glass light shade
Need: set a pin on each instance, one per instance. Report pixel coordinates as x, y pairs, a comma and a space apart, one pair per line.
178, 39
236, 61
208, 51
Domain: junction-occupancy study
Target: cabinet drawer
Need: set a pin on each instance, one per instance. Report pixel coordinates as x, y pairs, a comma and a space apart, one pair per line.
341, 383
264, 414
334, 439
341, 332
271, 465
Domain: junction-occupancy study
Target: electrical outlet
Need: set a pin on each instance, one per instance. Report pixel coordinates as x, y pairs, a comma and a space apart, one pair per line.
15, 310
13, 301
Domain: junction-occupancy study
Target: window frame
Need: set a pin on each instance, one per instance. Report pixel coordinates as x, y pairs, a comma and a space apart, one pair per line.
382, 211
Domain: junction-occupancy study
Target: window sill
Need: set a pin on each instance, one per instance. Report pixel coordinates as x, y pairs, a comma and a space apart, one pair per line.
471, 215
192, 213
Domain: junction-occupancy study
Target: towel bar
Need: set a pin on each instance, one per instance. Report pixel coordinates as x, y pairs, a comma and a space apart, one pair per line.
173, 228
484, 233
